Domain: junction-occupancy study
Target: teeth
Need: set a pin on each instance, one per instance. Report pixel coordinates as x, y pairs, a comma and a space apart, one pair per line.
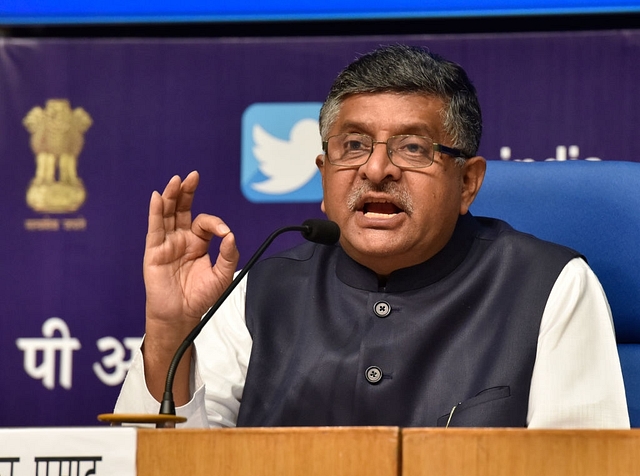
380, 215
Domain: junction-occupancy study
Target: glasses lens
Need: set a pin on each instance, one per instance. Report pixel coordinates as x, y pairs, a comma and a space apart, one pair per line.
349, 149
411, 151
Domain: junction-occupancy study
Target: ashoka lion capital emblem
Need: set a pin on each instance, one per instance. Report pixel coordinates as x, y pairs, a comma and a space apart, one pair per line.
56, 140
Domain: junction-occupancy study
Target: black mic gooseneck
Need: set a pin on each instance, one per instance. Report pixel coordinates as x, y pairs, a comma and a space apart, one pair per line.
319, 231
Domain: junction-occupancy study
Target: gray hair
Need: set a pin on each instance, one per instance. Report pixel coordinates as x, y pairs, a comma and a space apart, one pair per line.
410, 70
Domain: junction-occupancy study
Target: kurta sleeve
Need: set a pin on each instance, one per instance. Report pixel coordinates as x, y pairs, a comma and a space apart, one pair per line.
218, 370
577, 379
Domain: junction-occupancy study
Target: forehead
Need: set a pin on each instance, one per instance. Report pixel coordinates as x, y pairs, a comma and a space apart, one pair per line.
390, 113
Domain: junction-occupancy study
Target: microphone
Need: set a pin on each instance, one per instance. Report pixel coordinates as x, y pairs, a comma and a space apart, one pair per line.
324, 232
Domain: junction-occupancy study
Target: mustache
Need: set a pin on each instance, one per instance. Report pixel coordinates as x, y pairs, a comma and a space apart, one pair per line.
398, 194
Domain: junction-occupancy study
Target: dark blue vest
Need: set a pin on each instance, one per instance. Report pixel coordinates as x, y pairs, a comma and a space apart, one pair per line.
333, 347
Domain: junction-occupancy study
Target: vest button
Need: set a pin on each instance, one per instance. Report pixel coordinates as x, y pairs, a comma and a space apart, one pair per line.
382, 309
373, 374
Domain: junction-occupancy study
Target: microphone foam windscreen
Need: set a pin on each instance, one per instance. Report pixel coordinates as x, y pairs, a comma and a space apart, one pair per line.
325, 232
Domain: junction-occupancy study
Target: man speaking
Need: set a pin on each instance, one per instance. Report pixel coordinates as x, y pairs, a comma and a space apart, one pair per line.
422, 315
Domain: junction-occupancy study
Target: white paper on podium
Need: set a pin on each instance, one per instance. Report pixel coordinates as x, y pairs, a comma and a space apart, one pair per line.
68, 451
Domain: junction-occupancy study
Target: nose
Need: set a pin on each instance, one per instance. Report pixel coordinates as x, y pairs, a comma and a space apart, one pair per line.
379, 167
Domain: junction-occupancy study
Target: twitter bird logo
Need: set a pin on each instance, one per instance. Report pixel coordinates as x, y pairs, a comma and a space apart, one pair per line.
280, 142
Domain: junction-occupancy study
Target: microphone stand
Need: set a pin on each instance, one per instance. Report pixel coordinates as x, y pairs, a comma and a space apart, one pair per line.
316, 230
167, 407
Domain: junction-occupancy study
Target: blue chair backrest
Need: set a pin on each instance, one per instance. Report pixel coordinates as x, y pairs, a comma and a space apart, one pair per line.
594, 208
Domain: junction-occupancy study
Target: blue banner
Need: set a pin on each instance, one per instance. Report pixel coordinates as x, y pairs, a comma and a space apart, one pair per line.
101, 11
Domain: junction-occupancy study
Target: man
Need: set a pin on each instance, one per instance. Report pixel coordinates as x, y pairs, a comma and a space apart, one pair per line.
422, 316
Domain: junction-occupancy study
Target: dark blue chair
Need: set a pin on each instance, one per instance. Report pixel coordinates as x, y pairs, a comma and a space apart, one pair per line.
594, 208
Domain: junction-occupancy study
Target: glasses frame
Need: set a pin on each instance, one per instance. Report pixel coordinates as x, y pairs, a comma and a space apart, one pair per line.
443, 149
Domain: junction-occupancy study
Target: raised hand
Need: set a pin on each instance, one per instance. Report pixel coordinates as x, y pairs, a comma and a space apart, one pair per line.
181, 281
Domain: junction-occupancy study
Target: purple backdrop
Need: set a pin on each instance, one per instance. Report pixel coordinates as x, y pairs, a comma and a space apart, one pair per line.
160, 107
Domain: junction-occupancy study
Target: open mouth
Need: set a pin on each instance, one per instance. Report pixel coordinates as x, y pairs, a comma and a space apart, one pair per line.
380, 209
382, 201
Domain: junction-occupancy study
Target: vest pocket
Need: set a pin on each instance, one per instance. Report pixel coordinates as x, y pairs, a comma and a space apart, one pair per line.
490, 407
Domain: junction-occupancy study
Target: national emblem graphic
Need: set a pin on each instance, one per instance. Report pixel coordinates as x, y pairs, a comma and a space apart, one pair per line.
56, 141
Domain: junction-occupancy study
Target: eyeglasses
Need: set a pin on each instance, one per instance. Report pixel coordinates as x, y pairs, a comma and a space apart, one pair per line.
404, 151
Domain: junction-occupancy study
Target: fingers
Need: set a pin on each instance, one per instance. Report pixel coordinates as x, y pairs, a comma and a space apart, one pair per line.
185, 200
171, 212
172, 209
207, 226
169, 202
177, 199
227, 260
155, 230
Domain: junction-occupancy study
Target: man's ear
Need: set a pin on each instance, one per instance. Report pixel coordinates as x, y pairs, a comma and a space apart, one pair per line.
320, 165
472, 176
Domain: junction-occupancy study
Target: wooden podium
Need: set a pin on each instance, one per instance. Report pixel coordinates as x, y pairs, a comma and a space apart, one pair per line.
520, 452
388, 451
365, 451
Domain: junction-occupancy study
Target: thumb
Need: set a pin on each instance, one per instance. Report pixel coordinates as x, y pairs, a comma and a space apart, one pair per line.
228, 257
